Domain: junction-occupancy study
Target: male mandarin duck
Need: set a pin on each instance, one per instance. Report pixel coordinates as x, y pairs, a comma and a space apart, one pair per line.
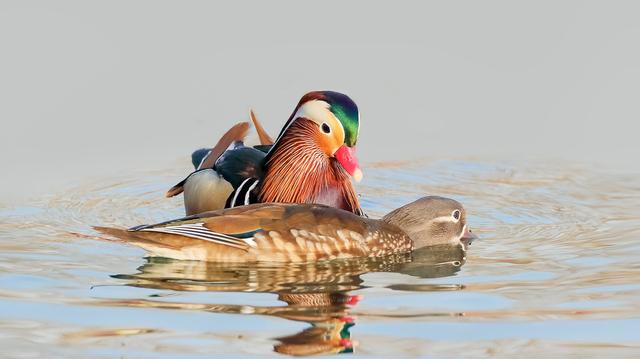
279, 232
310, 161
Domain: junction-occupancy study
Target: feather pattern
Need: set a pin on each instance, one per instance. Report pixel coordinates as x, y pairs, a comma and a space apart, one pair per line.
199, 231
278, 232
269, 232
264, 137
235, 133
297, 171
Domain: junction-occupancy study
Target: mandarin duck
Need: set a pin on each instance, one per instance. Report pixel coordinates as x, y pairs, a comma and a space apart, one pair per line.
280, 232
311, 161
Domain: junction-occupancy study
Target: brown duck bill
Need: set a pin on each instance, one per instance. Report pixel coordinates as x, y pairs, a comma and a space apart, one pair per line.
346, 156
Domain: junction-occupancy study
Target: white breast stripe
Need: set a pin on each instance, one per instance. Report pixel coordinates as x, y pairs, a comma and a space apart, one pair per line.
235, 195
248, 194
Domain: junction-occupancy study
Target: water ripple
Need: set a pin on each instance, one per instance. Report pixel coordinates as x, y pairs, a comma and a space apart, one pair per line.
556, 263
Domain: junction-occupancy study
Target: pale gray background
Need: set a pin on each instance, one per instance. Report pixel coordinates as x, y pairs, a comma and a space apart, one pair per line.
91, 89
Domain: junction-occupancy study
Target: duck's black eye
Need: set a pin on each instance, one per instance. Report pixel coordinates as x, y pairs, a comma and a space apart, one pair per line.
325, 128
456, 214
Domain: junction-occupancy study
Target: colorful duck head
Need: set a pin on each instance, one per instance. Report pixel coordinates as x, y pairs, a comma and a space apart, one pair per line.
314, 154
432, 220
337, 123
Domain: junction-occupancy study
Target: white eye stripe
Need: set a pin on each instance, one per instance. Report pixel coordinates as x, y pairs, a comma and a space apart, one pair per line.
450, 218
444, 219
311, 110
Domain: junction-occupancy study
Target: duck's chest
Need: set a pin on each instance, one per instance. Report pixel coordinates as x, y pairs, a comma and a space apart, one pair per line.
332, 196
383, 242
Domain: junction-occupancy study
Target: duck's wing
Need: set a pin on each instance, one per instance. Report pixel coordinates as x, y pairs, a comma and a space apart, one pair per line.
240, 163
217, 235
266, 142
260, 232
238, 223
236, 133
207, 159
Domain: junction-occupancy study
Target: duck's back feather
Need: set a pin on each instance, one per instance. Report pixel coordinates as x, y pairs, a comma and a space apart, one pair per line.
240, 163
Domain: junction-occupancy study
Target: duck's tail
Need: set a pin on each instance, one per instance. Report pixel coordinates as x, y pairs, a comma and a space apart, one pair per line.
139, 239
119, 234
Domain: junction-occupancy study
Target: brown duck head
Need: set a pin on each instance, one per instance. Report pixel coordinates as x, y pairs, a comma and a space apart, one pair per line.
432, 220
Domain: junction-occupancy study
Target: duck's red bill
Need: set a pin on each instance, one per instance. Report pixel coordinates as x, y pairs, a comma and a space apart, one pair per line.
347, 158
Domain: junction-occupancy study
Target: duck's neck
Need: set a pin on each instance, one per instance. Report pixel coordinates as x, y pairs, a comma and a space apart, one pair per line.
297, 171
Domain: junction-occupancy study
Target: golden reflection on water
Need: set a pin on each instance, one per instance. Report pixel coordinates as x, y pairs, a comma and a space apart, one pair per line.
317, 294
556, 263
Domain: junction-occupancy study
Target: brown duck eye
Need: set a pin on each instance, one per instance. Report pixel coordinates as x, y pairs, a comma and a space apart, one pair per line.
456, 214
326, 128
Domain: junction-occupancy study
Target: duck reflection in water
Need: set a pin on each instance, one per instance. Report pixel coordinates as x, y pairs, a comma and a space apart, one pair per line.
320, 294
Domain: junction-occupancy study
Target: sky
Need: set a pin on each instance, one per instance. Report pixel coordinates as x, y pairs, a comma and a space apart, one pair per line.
92, 89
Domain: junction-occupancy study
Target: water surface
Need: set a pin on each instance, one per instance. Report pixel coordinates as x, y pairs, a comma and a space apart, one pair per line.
554, 273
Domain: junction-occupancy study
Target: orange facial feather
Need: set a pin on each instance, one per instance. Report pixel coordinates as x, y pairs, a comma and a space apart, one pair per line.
299, 171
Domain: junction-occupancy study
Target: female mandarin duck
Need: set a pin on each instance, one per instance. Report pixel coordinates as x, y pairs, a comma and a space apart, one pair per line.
278, 232
311, 161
